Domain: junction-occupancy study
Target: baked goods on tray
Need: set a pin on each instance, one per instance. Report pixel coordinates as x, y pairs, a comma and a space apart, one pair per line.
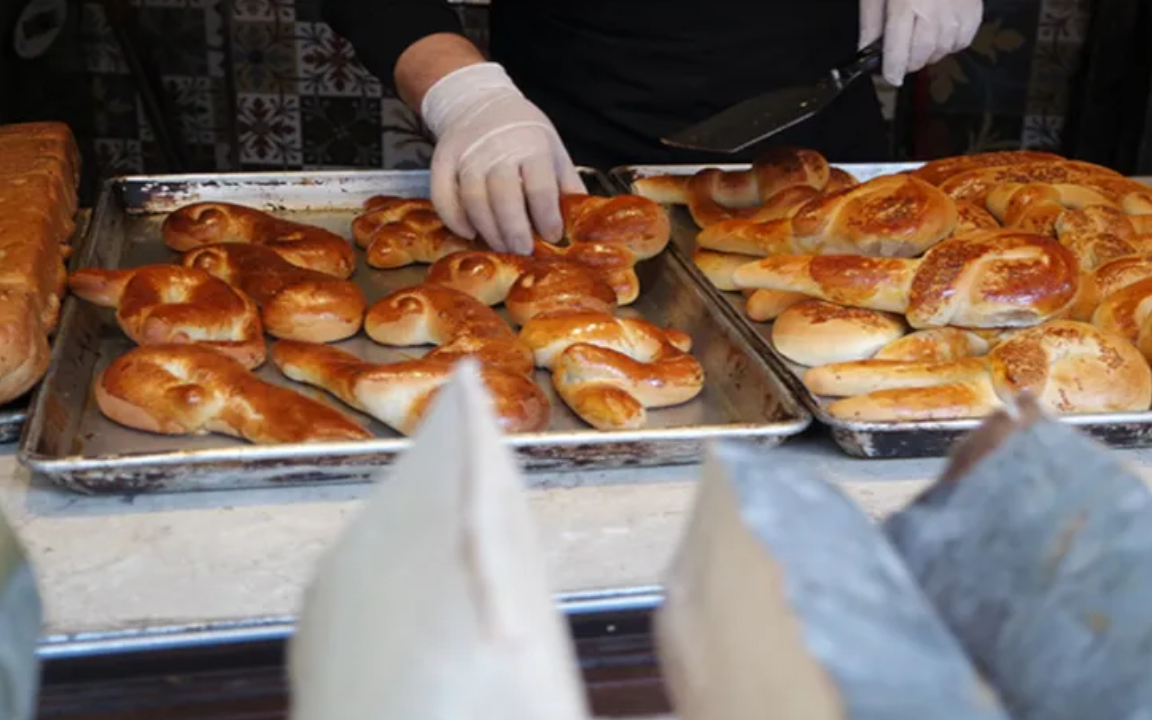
946, 288
39, 173
234, 260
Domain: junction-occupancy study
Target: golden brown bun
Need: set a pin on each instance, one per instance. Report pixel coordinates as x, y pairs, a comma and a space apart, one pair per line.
608, 370
629, 221
663, 189
1036, 207
39, 172
397, 232
935, 345
814, 332
192, 390
295, 303
398, 394
455, 321
774, 171
1127, 312
1070, 367
888, 216
938, 171
972, 218
305, 246
171, 304
975, 185
766, 305
529, 286
1000, 278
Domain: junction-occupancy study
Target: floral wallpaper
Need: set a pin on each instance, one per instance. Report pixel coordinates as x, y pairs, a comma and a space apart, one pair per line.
264, 85
1010, 89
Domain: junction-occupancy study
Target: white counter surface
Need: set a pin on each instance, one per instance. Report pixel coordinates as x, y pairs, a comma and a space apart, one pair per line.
119, 566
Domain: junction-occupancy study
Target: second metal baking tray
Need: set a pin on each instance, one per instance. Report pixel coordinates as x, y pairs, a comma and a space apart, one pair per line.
863, 439
69, 441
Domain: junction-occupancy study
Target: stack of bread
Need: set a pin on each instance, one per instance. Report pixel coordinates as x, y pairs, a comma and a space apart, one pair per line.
200, 323
39, 173
938, 293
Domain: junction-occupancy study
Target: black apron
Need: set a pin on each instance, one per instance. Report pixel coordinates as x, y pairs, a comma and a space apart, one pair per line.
616, 75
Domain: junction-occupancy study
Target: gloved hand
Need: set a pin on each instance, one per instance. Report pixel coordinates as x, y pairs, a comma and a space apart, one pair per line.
918, 32
498, 160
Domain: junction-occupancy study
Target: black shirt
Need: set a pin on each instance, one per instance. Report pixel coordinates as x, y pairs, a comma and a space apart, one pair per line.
615, 75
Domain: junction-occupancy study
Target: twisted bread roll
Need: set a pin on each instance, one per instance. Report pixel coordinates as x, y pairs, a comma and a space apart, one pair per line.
397, 232
1107, 279
772, 172
814, 332
888, 216
295, 303
1071, 367
1035, 207
170, 304
935, 345
1000, 278
706, 211
937, 171
975, 185
628, 221
972, 218
455, 321
194, 390
398, 394
1127, 312
210, 223
608, 370
527, 286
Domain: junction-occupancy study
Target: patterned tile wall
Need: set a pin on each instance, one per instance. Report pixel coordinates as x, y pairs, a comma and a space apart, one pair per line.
1010, 89
263, 84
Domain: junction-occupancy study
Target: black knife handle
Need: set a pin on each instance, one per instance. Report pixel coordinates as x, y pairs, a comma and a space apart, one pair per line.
866, 62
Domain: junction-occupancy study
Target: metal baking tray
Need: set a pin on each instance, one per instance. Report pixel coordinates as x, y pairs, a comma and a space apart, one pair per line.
864, 439
72, 444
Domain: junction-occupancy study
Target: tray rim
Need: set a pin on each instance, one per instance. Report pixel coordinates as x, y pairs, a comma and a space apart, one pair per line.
337, 453
839, 427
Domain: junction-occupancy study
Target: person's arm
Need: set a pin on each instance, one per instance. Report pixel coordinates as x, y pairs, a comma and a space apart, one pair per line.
499, 166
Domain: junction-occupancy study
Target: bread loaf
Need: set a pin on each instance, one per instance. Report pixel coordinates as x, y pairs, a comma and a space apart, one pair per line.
39, 173
888, 216
1002, 278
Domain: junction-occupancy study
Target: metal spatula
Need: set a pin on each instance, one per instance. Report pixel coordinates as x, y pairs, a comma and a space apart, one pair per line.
760, 117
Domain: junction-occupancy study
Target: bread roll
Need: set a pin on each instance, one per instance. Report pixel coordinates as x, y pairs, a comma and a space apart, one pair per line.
814, 332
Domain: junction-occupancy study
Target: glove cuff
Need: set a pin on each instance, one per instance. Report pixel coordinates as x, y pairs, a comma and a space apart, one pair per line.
461, 90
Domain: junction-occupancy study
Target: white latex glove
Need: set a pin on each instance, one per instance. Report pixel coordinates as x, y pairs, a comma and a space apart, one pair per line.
918, 32
498, 160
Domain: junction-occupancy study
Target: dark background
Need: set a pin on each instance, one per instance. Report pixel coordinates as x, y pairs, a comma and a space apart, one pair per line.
217, 85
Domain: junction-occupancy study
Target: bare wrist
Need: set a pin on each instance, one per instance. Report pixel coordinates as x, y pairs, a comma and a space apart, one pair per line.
429, 59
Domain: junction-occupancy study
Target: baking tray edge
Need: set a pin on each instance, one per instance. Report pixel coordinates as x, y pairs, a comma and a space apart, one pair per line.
882, 440
360, 461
